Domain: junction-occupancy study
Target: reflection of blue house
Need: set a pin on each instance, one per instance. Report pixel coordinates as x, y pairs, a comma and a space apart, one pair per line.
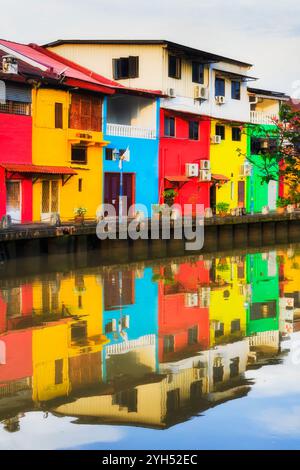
130, 324
131, 122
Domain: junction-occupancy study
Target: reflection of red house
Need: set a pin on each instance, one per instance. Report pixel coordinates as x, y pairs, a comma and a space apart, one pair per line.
16, 356
175, 152
183, 311
15, 307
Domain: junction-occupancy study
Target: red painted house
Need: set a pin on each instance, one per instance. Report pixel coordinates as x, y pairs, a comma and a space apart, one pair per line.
183, 320
15, 147
184, 140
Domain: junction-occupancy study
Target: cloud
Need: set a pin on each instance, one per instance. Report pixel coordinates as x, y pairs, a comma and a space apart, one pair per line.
263, 32
280, 422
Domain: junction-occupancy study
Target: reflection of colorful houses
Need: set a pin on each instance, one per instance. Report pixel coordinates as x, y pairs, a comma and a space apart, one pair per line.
183, 311
130, 324
263, 305
227, 310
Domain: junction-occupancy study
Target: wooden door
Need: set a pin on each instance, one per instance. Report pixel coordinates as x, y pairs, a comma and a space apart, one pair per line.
112, 190
13, 200
241, 193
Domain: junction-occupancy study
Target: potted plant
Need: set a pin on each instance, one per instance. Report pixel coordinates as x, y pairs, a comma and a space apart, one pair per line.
169, 196
79, 215
281, 204
222, 208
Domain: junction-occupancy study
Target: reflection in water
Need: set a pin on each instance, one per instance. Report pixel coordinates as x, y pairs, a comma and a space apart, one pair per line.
143, 345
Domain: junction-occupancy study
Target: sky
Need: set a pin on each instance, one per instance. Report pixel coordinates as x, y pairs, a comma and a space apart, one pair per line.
263, 32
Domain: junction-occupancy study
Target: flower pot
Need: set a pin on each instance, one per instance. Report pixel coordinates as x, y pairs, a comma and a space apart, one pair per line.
222, 214
79, 219
280, 210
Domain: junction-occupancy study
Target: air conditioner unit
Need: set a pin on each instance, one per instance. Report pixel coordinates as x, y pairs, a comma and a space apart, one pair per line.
171, 93
216, 325
201, 93
216, 139
205, 164
10, 65
114, 325
220, 99
125, 321
191, 169
246, 169
204, 302
205, 175
204, 291
191, 300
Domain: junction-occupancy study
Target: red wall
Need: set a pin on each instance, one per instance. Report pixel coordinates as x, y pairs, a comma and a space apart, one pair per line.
175, 152
18, 365
16, 147
175, 318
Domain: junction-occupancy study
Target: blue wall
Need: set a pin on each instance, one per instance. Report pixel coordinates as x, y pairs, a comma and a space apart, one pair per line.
143, 314
143, 162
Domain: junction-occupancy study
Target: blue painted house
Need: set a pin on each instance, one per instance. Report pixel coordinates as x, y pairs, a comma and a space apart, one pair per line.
131, 126
130, 324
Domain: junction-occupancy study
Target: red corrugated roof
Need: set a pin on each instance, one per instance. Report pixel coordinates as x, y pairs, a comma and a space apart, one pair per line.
218, 177
178, 179
38, 169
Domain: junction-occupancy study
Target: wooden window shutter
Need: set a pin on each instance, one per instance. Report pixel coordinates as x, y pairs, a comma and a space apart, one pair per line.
116, 68
75, 112
58, 115
133, 66
96, 114
86, 113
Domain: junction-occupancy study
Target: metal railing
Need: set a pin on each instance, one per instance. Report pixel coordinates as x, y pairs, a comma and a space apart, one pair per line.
260, 117
130, 131
14, 107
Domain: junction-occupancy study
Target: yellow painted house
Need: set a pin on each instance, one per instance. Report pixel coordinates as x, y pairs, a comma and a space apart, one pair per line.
227, 302
66, 349
67, 136
227, 141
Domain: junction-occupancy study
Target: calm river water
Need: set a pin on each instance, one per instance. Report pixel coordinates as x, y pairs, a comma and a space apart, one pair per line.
186, 353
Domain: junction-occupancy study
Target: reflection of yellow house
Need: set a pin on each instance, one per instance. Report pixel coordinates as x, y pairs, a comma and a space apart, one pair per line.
225, 161
67, 349
227, 303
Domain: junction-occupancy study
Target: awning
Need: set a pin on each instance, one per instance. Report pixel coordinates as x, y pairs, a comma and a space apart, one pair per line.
233, 75
177, 179
218, 177
38, 169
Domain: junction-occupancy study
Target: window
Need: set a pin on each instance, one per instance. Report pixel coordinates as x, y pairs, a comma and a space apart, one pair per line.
234, 367
50, 196
80, 185
79, 331
235, 90
235, 326
236, 134
220, 130
197, 72
168, 344
126, 399
196, 390
169, 126
219, 87
79, 154
109, 154
193, 335
173, 400
174, 67
86, 112
193, 130
59, 364
58, 115
219, 330
126, 67
232, 190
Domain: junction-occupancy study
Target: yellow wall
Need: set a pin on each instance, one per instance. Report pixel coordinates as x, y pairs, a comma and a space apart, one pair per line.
53, 147
225, 160
227, 302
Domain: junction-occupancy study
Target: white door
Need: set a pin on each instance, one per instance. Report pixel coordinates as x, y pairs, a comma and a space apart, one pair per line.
272, 195
13, 200
49, 199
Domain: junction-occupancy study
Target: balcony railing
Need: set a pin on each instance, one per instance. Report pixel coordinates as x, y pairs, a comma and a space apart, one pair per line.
14, 107
259, 117
130, 131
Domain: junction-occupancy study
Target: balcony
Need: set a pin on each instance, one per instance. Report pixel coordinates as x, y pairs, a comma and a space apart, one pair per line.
122, 130
260, 117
